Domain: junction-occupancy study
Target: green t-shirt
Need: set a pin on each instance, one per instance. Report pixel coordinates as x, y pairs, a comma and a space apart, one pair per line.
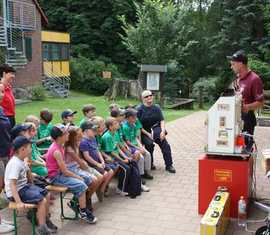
130, 133
39, 170
119, 135
82, 121
138, 126
42, 132
109, 142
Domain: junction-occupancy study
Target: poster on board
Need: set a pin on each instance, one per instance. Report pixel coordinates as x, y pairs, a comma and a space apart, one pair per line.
152, 81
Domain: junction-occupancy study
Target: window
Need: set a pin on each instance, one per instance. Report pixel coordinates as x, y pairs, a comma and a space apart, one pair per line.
45, 51
28, 48
55, 51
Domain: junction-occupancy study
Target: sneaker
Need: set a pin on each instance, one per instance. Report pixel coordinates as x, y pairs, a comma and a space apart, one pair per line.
87, 216
170, 169
43, 230
6, 228
145, 188
3, 221
52, 227
118, 191
147, 176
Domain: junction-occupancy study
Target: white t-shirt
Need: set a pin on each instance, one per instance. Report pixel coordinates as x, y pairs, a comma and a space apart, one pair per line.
15, 169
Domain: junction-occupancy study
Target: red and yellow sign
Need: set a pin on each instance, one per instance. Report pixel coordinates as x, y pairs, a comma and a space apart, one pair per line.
222, 175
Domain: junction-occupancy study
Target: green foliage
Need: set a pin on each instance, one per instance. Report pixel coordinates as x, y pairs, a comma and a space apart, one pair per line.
94, 27
152, 40
38, 93
261, 68
86, 75
208, 86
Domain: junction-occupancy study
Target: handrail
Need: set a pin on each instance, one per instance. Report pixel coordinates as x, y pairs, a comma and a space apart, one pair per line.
62, 79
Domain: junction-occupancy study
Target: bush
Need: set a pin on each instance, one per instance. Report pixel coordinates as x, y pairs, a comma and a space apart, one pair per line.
208, 86
38, 93
261, 68
86, 75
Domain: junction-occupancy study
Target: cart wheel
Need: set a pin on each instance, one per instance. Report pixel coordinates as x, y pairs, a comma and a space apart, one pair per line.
263, 231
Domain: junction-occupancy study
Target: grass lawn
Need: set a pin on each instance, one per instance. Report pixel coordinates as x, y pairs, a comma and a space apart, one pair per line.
76, 101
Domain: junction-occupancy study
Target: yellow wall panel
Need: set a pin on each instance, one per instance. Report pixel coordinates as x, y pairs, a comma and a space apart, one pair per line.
50, 36
56, 68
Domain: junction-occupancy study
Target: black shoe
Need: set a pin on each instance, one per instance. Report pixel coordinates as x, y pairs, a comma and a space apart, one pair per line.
52, 227
153, 168
170, 169
147, 176
87, 216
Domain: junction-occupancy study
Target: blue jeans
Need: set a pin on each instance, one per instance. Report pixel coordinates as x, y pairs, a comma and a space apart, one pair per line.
76, 186
31, 193
78, 171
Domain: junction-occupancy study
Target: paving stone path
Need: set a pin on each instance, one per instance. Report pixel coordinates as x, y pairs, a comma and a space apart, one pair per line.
171, 206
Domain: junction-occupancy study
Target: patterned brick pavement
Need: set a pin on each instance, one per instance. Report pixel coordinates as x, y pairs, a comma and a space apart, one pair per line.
171, 206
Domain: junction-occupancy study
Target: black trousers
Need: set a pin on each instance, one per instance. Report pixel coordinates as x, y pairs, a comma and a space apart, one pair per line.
249, 127
164, 146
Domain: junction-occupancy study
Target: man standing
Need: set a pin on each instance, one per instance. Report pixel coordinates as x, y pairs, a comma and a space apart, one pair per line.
250, 85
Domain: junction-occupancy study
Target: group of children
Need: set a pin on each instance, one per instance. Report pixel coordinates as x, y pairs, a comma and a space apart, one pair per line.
84, 158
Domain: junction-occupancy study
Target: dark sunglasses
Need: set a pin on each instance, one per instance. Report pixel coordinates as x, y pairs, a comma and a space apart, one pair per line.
148, 96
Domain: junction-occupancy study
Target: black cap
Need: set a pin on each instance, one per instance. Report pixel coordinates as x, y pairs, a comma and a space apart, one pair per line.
131, 112
58, 130
68, 113
239, 56
15, 131
20, 141
88, 125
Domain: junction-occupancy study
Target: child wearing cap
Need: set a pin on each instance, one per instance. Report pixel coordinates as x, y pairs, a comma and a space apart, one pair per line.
59, 174
90, 152
68, 117
19, 187
89, 111
44, 130
130, 132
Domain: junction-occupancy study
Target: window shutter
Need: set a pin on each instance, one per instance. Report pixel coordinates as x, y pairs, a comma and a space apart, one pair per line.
28, 48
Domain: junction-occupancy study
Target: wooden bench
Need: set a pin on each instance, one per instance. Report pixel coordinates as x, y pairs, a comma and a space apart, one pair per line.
14, 206
62, 191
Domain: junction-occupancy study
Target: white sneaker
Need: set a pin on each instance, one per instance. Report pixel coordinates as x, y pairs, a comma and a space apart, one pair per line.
118, 191
3, 221
5, 228
145, 188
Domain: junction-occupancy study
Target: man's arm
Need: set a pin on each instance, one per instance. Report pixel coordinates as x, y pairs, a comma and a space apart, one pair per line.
252, 106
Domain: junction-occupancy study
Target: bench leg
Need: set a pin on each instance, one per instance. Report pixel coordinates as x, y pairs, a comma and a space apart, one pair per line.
76, 217
15, 221
33, 222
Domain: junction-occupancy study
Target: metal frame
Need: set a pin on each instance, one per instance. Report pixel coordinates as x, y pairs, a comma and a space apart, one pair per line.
76, 216
33, 221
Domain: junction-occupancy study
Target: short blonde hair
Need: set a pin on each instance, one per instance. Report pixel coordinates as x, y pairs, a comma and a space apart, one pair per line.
32, 119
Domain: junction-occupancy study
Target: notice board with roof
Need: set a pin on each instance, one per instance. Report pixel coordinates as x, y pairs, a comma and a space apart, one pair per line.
152, 78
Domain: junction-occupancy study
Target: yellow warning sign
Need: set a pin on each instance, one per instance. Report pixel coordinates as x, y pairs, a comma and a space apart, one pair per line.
222, 175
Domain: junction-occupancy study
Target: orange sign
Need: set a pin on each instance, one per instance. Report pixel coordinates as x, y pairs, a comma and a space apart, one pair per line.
222, 175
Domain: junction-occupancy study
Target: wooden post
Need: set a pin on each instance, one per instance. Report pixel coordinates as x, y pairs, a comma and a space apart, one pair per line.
200, 97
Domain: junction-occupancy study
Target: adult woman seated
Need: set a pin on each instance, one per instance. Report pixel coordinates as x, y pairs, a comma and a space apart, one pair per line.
153, 122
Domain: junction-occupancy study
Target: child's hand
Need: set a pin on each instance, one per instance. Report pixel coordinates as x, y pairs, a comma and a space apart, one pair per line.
20, 206
126, 161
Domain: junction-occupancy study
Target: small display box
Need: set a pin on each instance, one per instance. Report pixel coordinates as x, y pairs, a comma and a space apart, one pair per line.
233, 173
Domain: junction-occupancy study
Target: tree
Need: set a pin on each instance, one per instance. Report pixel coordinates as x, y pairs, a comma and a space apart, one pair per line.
153, 39
94, 27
